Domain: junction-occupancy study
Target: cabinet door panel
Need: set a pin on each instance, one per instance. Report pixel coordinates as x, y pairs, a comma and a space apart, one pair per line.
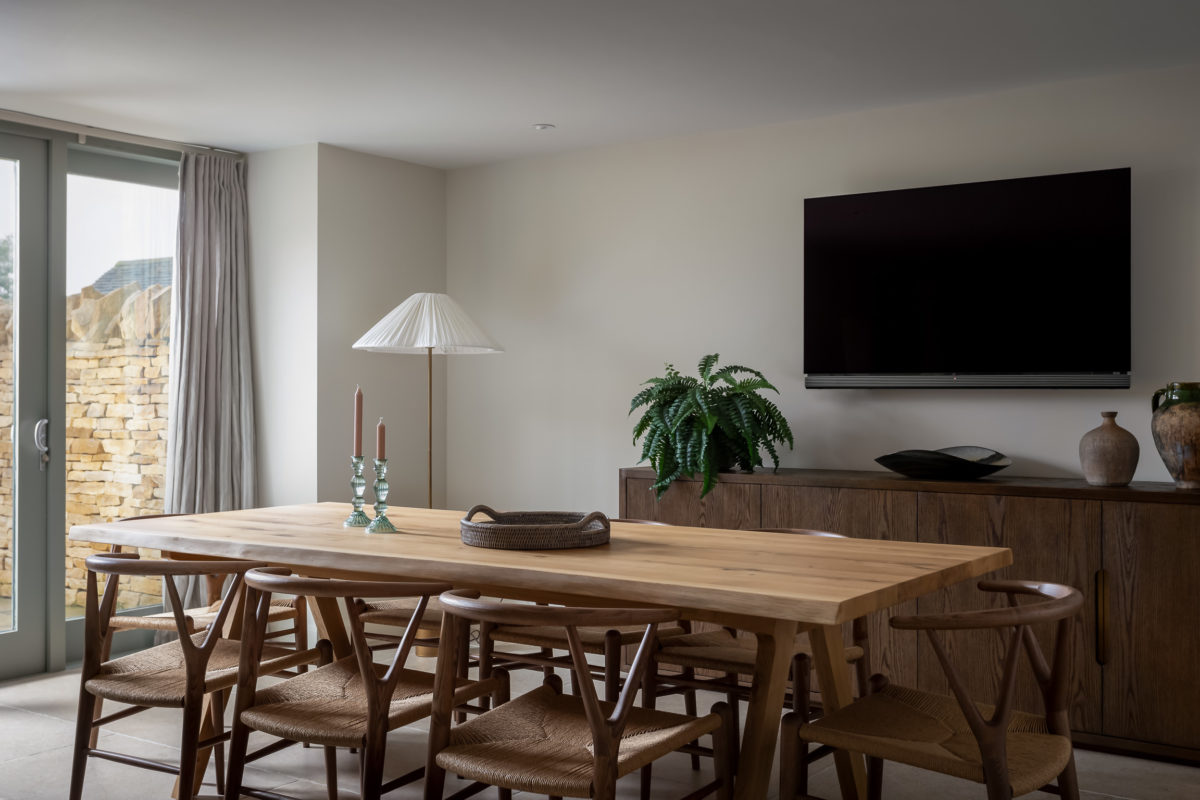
728, 505
1052, 540
1151, 553
863, 514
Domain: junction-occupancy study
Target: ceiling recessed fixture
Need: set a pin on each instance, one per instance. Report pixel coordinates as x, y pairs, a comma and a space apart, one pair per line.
543, 126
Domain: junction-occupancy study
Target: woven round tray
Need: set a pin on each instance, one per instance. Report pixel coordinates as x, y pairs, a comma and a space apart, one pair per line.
534, 530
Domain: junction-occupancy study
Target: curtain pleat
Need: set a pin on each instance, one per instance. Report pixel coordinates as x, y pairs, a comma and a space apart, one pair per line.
211, 444
210, 438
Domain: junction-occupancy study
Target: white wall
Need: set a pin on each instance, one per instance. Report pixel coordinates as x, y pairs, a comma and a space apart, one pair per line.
339, 238
593, 268
382, 233
282, 190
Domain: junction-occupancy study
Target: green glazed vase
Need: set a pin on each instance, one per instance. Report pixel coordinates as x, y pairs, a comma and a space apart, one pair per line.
1176, 429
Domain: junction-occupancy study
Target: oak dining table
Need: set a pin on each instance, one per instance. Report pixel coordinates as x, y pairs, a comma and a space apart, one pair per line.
770, 584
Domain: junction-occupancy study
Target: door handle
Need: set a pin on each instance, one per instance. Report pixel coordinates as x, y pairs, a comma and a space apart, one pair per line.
41, 440
1102, 617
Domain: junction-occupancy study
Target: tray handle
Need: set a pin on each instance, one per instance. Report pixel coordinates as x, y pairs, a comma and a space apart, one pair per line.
590, 518
491, 512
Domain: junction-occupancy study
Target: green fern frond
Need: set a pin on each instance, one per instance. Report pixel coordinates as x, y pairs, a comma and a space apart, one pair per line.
707, 425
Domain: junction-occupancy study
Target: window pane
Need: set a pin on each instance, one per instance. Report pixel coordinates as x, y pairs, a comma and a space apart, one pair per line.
120, 254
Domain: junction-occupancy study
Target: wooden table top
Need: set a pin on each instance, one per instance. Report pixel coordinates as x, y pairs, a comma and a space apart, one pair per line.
767, 575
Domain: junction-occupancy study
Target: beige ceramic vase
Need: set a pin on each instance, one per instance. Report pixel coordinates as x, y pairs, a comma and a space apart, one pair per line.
1108, 454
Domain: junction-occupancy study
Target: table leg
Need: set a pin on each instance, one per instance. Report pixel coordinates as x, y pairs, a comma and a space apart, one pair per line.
830, 660
328, 616
766, 707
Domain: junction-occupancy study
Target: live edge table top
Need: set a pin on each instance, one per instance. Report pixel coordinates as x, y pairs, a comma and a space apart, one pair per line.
713, 572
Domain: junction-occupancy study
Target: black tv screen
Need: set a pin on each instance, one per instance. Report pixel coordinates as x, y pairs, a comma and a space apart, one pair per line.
1021, 282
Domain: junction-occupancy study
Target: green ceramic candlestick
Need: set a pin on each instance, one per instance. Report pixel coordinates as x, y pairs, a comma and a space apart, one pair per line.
381, 524
357, 518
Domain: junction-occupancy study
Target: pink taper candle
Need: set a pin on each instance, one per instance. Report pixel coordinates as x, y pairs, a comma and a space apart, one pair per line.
357, 422
380, 435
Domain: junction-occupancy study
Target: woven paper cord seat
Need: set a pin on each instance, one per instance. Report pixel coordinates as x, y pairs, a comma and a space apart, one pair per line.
399, 611
723, 651
156, 677
929, 731
327, 706
591, 637
541, 742
281, 608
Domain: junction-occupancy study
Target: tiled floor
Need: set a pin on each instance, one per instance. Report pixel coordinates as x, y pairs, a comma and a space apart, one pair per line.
37, 722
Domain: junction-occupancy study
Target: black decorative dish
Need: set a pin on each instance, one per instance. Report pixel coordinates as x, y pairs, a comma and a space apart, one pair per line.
948, 464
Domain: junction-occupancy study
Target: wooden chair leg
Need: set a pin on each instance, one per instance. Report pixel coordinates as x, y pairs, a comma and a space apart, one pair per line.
218, 723
791, 756
801, 705
1068, 783
689, 707
301, 606
193, 715
372, 766
464, 663
875, 779
649, 700
735, 728
105, 652
486, 658
612, 666
331, 775
722, 757
83, 736
238, 740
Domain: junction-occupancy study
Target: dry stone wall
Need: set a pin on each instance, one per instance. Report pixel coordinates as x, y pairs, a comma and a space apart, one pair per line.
116, 423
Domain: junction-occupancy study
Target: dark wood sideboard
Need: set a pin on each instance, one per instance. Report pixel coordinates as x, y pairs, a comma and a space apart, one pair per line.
1134, 552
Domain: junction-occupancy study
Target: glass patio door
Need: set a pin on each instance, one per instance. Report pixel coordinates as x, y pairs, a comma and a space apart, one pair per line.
121, 217
24, 269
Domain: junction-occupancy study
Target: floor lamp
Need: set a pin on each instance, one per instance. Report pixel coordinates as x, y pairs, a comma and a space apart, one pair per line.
427, 323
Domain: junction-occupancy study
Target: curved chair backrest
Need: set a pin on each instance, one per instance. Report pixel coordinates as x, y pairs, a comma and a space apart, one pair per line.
99, 611
803, 532
280, 580
1053, 603
262, 582
132, 564
458, 608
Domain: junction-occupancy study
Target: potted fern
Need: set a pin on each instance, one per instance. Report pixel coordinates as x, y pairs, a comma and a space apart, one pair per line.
709, 425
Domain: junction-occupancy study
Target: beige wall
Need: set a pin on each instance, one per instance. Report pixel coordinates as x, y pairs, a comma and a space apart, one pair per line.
282, 190
593, 268
338, 239
382, 237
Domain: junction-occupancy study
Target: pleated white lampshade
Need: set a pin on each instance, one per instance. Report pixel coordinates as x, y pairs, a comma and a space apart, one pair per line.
427, 320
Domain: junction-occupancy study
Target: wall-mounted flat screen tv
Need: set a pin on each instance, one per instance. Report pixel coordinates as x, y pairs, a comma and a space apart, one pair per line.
1008, 283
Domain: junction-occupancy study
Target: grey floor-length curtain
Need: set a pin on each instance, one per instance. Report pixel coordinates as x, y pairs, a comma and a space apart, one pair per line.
210, 432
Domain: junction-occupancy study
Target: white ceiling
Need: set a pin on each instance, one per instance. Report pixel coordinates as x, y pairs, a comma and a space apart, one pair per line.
455, 82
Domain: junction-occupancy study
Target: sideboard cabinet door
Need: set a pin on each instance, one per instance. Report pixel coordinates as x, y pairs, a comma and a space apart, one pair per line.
1053, 540
1151, 684
728, 505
